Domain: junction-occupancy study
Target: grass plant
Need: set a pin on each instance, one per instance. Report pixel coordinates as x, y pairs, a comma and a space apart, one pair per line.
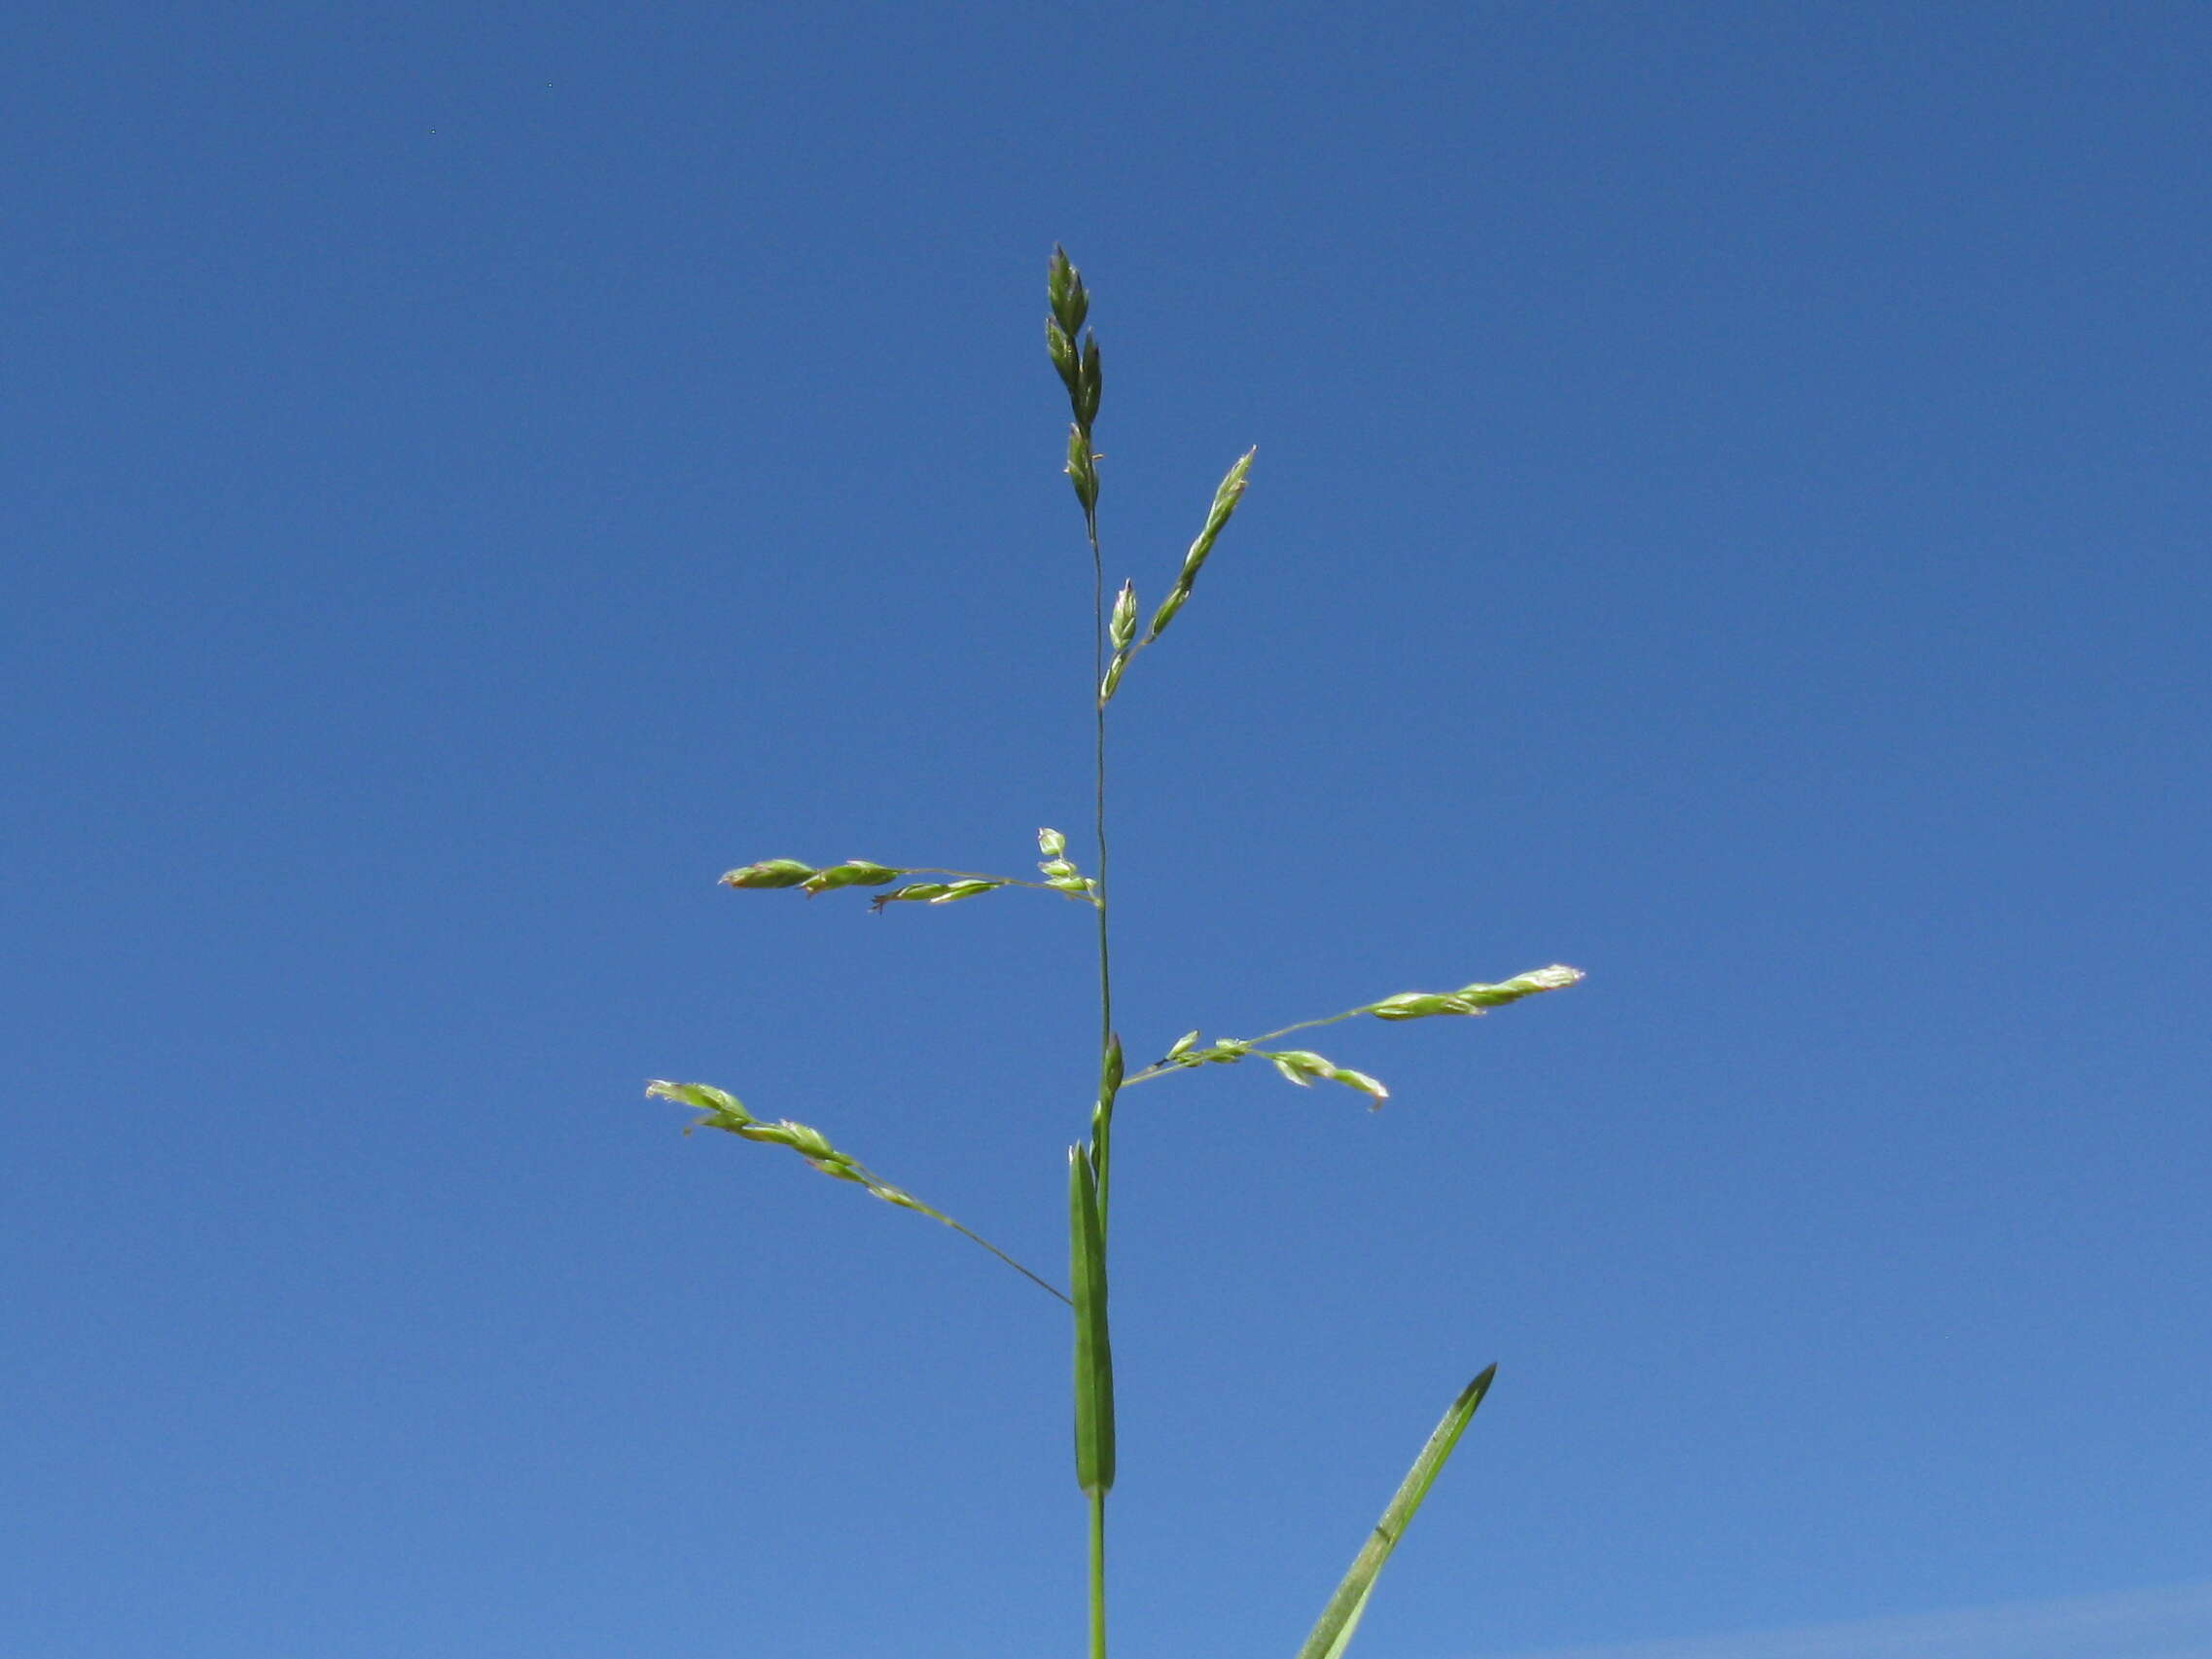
1116, 643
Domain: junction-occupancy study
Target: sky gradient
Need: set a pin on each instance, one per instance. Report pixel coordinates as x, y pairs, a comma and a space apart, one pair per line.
2139, 1624
1729, 515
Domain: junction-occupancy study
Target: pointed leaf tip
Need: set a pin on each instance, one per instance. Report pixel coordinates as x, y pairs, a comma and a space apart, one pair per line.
1333, 1632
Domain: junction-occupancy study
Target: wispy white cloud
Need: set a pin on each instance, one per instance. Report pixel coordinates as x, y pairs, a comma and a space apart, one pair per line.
2137, 1624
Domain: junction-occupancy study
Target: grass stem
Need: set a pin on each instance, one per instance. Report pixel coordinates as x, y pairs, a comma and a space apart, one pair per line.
1102, 1130
1099, 1575
1102, 1120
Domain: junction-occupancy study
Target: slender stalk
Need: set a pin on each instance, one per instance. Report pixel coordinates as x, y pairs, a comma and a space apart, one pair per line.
982, 875
1103, 1128
1099, 1575
1074, 352
1158, 1069
1044, 1284
1308, 1025
1102, 1119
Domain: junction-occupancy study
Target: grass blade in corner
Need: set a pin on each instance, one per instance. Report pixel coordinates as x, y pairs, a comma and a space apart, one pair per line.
1333, 1632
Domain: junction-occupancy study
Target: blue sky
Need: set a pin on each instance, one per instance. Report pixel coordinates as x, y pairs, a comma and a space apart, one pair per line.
1729, 515
2162, 1623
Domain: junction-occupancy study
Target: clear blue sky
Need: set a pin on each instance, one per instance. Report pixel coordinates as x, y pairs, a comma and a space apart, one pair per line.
1731, 514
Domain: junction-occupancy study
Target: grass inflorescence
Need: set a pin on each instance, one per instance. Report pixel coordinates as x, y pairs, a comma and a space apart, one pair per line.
1116, 642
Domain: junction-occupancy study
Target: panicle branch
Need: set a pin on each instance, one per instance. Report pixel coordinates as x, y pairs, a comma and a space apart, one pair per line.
1303, 1066
724, 1111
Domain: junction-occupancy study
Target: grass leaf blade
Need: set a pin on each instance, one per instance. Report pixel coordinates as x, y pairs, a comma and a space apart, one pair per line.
1333, 1632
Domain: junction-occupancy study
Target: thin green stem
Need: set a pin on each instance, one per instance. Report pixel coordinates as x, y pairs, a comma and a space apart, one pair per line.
1044, 1284
984, 876
1102, 1119
1099, 1575
1102, 1136
853, 1169
1158, 1069
1090, 1166
1102, 1126
1308, 1025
